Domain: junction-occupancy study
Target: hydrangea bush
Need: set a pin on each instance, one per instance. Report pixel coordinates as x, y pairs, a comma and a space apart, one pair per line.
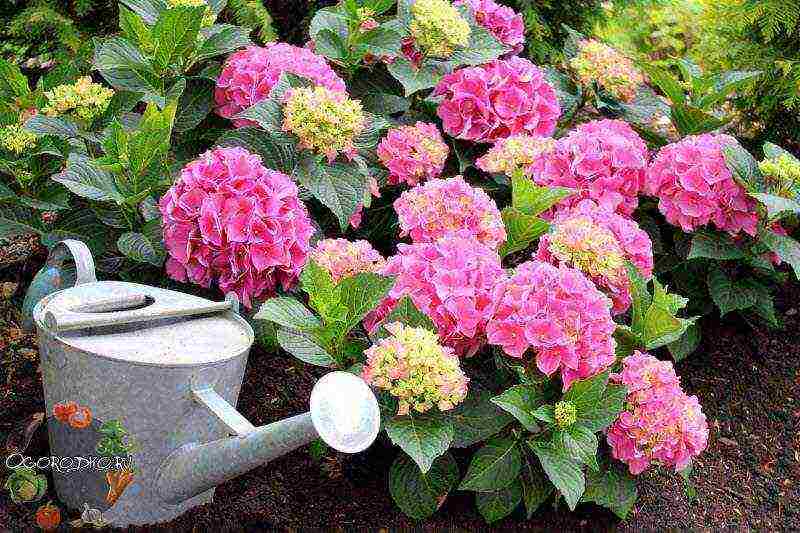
517, 323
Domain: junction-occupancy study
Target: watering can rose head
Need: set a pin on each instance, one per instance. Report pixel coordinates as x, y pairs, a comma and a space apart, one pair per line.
229, 220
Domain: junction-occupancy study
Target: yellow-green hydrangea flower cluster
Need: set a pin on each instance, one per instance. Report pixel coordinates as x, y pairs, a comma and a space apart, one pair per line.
782, 173
565, 414
588, 247
208, 17
598, 62
15, 139
413, 367
82, 100
438, 28
325, 121
517, 153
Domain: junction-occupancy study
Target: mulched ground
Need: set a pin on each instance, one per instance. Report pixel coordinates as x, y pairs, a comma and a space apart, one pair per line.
749, 478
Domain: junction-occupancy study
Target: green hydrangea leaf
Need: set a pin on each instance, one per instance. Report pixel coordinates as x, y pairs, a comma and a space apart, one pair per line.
520, 401
562, 470
289, 313
419, 495
536, 487
141, 248
304, 347
531, 199
612, 487
686, 344
521, 230
361, 294
476, 418
422, 437
714, 245
495, 466
786, 248
500, 503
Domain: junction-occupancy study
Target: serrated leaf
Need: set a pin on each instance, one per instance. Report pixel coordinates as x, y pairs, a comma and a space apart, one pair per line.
13, 83
726, 83
665, 81
582, 444
339, 187
495, 466
330, 18
585, 393
686, 344
381, 41
322, 293
141, 249
360, 294
175, 35
124, 67
691, 120
41, 124
568, 93
419, 495
786, 248
613, 488
276, 150
415, 79
329, 44
743, 167
83, 178
221, 39
134, 29
482, 48
498, 504
536, 488
422, 437
659, 322
267, 113
147, 9
727, 294
305, 348
17, 220
289, 313
521, 230
194, 105
406, 313
531, 199
778, 207
562, 470
384, 103
640, 299
476, 418
714, 245
520, 401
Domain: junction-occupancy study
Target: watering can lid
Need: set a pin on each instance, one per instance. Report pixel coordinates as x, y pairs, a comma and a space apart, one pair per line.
156, 326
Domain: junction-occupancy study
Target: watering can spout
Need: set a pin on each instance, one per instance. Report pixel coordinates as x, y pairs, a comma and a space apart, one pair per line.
344, 413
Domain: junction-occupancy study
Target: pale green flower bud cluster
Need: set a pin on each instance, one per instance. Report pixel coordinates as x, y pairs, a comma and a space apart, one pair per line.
782, 173
438, 28
82, 100
15, 139
565, 414
325, 121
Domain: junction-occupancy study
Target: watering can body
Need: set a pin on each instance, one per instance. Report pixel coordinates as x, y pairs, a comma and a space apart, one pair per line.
133, 382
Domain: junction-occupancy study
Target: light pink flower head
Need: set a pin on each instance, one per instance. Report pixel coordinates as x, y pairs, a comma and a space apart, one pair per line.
694, 186
229, 220
604, 160
558, 313
598, 242
248, 76
494, 101
344, 259
660, 423
441, 206
413, 153
503, 22
451, 281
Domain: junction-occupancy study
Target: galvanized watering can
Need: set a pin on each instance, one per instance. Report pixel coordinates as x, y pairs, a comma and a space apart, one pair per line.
140, 386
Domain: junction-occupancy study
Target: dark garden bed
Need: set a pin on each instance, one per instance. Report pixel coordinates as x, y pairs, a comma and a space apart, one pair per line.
749, 478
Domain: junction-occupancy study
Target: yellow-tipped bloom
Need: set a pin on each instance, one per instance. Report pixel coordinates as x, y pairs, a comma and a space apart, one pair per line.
15, 139
598, 62
588, 247
208, 17
416, 369
325, 121
782, 173
438, 28
565, 414
514, 154
82, 100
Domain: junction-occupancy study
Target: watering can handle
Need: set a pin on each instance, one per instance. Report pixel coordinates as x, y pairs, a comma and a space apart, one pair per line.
129, 310
81, 256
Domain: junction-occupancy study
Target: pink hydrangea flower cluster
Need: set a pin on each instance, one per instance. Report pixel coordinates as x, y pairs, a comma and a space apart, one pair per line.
413, 153
604, 160
660, 423
494, 101
597, 242
230, 220
413, 367
344, 259
559, 313
694, 186
503, 22
431, 210
248, 76
451, 281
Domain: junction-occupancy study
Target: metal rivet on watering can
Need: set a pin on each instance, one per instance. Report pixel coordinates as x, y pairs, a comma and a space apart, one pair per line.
165, 369
55, 275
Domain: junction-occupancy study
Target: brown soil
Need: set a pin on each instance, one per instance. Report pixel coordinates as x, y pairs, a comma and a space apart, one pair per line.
749, 478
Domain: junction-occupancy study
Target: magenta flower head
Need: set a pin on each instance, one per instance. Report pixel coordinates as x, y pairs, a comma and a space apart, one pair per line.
560, 314
695, 187
598, 242
413, 153
429, 211
229, 220
604, 160
503, 22
344, 259
248, 76
451, 281
660, 423
494, 101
